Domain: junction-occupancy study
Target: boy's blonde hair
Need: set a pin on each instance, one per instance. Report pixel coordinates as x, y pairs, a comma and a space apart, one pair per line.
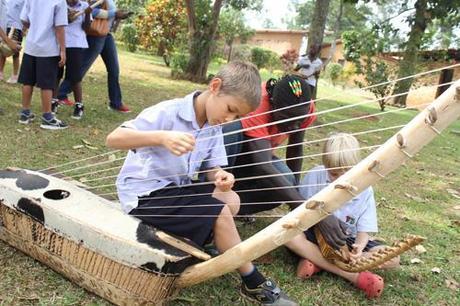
341, 150
241, 79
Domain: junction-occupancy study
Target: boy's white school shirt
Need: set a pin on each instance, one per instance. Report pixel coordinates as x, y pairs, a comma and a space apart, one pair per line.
152, 168
43, 16
359, 213
14, 8
75, 36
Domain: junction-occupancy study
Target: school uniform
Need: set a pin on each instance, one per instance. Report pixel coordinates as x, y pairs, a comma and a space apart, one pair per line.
13, 15
156, 186
359, 213
75, 40
41, 53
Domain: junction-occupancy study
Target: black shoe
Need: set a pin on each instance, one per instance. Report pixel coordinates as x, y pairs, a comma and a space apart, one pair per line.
246, 220
26, 119
267, 293
78, 111
53, 124
54, 106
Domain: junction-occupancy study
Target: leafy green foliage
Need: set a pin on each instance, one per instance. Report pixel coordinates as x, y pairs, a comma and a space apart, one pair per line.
162, 26
129, 37
264, 58
334, 72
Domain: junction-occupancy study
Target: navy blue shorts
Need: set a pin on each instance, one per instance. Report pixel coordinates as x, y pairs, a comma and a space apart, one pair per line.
181, 211
310, 234
39, 71
73, 64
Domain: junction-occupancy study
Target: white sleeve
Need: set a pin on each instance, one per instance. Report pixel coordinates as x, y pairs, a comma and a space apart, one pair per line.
25, 12
367, 222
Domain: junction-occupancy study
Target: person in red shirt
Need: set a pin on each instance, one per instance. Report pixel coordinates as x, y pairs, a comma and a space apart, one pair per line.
253, 140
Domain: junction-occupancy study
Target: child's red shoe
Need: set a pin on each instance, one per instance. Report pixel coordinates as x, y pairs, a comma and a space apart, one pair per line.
66, 101
371, 284
306, 269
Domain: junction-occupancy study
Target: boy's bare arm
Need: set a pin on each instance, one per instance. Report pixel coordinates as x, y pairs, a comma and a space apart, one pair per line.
60, 35
177, 143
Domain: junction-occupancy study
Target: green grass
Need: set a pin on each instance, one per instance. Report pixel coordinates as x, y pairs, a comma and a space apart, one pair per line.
411, 200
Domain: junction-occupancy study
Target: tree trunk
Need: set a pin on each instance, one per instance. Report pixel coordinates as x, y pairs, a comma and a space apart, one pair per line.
230, 49
337, 27
407, 66
318, 23
200, 42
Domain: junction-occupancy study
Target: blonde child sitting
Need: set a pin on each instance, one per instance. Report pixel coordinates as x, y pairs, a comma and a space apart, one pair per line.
341, 152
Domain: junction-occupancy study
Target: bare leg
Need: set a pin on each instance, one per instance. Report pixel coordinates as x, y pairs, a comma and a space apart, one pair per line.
306, 249
77, 92
46, 95
15, 65
2, 63
391, 264
226, 236
230, 198
27, 92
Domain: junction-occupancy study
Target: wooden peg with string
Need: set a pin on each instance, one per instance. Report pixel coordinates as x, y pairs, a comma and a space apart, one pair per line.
431, 119
348, 187
401, 141
374, 168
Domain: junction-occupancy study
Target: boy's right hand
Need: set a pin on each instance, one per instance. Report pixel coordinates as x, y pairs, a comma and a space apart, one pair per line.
179, 143
62, 59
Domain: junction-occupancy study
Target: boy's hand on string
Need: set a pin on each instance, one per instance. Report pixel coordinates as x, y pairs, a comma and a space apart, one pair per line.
224, 180
179, 143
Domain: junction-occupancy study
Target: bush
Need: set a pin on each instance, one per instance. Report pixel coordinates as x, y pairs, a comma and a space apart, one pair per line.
264, 58
179, 63
129, 37
289, 58
241, 53
334, 72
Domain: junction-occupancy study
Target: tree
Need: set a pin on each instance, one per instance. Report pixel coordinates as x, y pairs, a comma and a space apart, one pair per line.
318, 23
425, 12
203, 17
231, 25
161, 26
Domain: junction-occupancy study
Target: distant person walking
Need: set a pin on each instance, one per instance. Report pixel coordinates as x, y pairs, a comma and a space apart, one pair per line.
309, 66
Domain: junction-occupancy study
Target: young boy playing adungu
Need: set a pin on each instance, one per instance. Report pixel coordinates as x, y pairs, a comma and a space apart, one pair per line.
167, 145
44, 53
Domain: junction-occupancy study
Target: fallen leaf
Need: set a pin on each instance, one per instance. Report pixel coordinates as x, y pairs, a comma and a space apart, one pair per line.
78, 147
415, 261
404, 218
412, 197
91, 147
454, 193
112, 157
436, 270
453, 285
457, 207
86, 142
420, 249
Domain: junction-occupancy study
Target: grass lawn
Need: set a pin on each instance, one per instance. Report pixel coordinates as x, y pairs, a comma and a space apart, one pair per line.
414, 199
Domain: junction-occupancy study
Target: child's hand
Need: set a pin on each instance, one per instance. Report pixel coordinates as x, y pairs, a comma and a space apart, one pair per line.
13, 45
356, 252
179, 143
63, 59
224, 180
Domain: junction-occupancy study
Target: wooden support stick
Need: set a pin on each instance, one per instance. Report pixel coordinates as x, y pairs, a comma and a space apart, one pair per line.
390, 157
178, 244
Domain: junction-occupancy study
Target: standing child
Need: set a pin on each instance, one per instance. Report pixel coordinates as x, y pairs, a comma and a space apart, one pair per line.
165, 142
44, 53
14, 8
341, 151
75, 39
3, 34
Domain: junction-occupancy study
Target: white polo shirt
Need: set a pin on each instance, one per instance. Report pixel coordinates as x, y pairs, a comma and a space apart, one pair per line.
314, 67
14, 14
43, 16
75, 36
359, 213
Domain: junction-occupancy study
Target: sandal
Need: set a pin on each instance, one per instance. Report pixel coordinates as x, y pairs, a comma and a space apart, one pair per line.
370, 283
306, 269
